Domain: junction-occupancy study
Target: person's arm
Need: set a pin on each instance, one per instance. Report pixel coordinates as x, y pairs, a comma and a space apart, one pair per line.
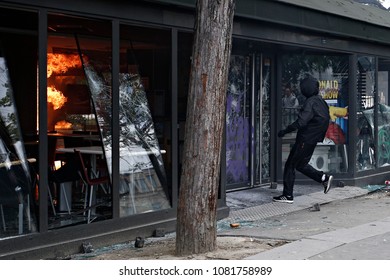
304, 116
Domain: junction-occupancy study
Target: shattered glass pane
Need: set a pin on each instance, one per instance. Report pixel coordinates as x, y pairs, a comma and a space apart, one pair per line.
266, 120
142, 174
383, 112
237, 123
365, 145
383, 136
16, 186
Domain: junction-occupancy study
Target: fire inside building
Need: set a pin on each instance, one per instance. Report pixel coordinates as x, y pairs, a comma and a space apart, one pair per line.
93, 104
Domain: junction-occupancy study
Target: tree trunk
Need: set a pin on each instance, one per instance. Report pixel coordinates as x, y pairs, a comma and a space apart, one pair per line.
196, 230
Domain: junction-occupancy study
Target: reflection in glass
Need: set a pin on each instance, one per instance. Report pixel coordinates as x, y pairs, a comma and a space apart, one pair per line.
143, 178
383, 113
365, 152
332, 74
16, 201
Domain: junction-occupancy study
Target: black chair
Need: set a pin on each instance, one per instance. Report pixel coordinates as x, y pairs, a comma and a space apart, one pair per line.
65, 174
88, 182
53, 190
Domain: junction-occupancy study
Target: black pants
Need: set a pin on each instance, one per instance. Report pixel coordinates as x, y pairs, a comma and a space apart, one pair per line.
298, 159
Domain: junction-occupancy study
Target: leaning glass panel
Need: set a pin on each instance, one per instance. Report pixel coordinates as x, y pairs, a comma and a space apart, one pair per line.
144, 115
16, 183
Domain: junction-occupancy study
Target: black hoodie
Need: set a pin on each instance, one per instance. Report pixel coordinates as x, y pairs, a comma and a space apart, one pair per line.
313, 118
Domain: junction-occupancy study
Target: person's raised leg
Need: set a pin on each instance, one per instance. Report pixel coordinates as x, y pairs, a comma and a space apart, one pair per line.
305, 168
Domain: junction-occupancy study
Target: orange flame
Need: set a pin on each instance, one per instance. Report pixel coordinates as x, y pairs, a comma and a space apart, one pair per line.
62, 125
60, 63
56, 98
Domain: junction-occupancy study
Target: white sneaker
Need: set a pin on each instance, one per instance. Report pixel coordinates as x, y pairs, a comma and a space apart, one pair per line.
327, 183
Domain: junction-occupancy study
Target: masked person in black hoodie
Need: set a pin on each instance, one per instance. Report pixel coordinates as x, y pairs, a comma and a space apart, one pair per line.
312, 124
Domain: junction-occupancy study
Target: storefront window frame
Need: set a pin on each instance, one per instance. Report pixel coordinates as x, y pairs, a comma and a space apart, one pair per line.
382, 107
43, 227
346, 167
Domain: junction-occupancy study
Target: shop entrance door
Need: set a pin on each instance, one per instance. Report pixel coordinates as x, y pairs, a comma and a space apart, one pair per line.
248, 121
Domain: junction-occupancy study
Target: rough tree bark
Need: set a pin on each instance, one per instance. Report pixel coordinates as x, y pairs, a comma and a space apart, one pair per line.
196, 230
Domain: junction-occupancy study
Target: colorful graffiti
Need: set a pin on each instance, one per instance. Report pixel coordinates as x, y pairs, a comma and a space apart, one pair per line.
237, 124
237, 132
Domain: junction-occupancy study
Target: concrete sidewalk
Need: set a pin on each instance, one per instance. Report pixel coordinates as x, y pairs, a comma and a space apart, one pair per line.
348, 223
367, 241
